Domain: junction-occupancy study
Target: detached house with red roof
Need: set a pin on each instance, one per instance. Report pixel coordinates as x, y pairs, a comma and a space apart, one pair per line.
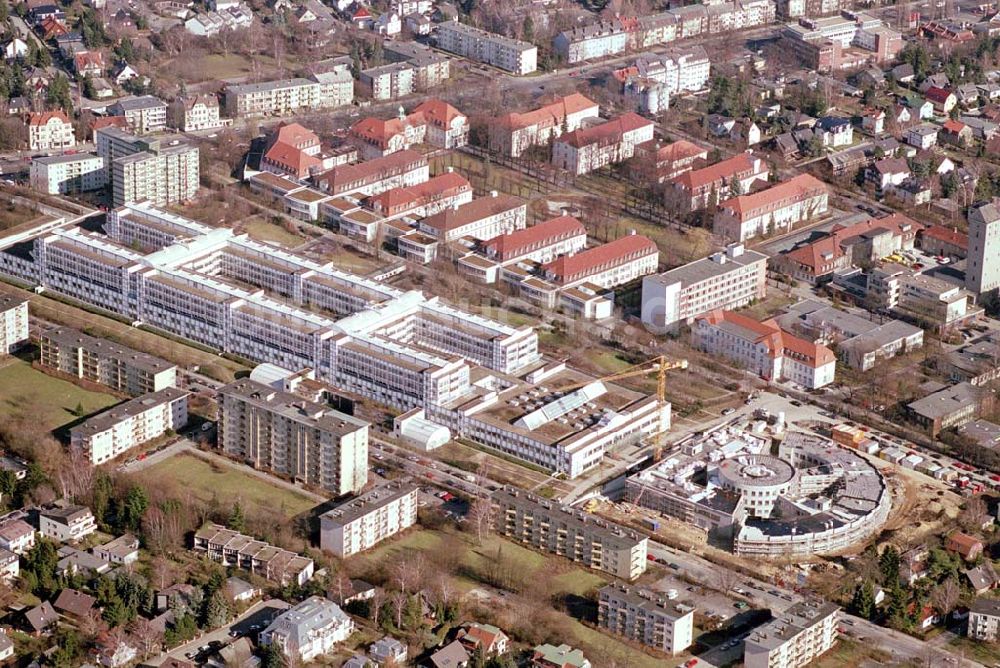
587, 149
89, 64
943, 100
964, 545
955, 133
777, 208
434, 122
514, 133
764, 349
50, 131
944, 241
695, 189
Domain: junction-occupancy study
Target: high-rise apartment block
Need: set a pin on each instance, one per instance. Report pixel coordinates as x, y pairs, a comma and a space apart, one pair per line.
486, 47
283, 433
363, 522
160, 171
982, 267
794, 638
646, 616
13, 322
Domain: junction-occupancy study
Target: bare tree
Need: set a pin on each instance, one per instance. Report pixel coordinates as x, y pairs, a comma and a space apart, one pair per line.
726, 579
399, 600
481, 518
375, 604
974, 515
944, 597
147, 637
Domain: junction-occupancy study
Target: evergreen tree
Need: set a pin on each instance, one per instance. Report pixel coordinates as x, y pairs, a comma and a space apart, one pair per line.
237, 520
863, 603
528, 29
58, 94
888, 564
133, 506
273, 657
217, 612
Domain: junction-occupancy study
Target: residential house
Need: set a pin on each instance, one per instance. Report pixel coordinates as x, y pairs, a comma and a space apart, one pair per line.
486, 638
955, 133
10, 568
943, 100
50, 131
74, 604
122, 550
922, 136
308, 630
983, 577
388, 649
835, 131
41, 618
15, 49
89, 64
945, 241
984, 619
17, 536
241, 591
452, 655
70, 523
563, 656
873, 121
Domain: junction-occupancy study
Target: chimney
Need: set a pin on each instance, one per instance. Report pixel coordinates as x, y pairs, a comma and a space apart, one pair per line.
493, 193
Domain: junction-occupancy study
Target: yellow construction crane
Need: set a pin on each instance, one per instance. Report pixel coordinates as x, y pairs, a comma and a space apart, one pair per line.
658, 365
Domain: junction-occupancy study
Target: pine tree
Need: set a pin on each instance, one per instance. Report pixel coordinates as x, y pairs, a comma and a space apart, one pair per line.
863, 603
237, 520
273, 657
132, 508
888, 564
528, 29
217, 611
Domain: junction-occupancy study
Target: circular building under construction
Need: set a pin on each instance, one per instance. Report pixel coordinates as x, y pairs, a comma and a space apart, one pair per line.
814, 497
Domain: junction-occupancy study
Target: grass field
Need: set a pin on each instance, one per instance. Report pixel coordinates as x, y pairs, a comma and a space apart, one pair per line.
203, 481
12, 215
850, 653
51, 401
564, 578
218, 66
261, 230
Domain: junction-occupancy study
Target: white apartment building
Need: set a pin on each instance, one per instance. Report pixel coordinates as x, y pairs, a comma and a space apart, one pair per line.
485, 47
724, 280
388, 82
17, 536
161, 171
396, 170
931, 301
143, 115
286, 97
541, 243
681, 69
13, 322
776, 209
982, 270
50, 131
587, 149
646, 616
482, 218
280, 432
763, 349
547, 526
363, 522
597, 40
514, 133
68, 174
128, 425
430, 68
309, 630
607, 266
794, 638
64, 524
984, 619
195, 112
80, 355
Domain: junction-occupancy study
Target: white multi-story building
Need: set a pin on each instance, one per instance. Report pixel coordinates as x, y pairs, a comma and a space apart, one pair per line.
487, 47
698, 188
724, 280
776, 209
196, 112
13, 322
277, 98
482, 218
646, 616
587, 149
794, 638
982, 267
597, 40
161, 171
128, 425
143, 115
97, 360
764, 349
396, 170
609, 265
17, 536
69, 523
932, 302
309, 630
984, 619
280, 432
50, 131
388, 82
678, 70
68, 174
514, 133
363, 522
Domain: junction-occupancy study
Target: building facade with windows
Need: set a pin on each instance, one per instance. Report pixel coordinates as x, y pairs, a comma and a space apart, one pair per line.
68, 174
501, 52
646, 616
366, 520
13, 322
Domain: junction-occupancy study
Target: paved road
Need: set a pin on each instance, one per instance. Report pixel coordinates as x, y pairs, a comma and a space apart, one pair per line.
259, 615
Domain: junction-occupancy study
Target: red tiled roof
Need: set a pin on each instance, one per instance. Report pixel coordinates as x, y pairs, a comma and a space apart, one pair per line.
373, 170
720, 171
43, 117
291, 159
379, 132
611, 130
953, 127
294, 134
438, 112
571, 267
466, 214
797, 187
400, 199
946, 234
935, 94
815, 354
85, 59
811, 255
962, 543
520, 242
777, 340
679, 150
550, 115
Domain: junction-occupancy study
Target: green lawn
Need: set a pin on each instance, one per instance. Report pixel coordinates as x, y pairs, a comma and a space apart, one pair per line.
261, 230
204, 480
26, 391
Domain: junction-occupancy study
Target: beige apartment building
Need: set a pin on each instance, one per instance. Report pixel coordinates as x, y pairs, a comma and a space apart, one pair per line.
100, 361
486, 47
646, 616
561, 530
281, 432
366, 520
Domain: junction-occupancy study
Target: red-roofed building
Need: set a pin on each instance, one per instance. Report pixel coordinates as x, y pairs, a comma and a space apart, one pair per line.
89, 64
777, 208
434, 122
867, 241
606, 266
50, 131
99, 122
514, 133
52, 27
943, 100
486, 638
293, 150
946, 241
424, 199
405, 168
587, 149
539, 243
482, 218
693, 190
658, 163
955, 133
964, 545
764, 349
